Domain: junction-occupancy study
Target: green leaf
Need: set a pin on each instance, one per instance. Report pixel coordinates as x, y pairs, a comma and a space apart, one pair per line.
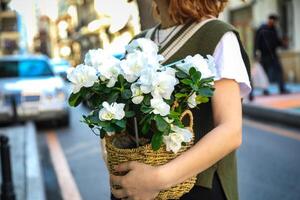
121, 123
178, 123
126, 94
95, 101
109, 128
146, 109
146, 119
174, 114
94, 119
146, 100
156, 141
104, 123
196, 76
161, 124
180, 95
146, 128
207, 80
106, 90
121, 80
113, 97
102, 133
206, 92
186, 81
192, 71
75, 99
181, 74
200, 99
129, 114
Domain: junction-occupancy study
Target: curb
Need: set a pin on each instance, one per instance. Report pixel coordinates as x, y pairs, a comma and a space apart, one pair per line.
26, 169
34, 178
287, 117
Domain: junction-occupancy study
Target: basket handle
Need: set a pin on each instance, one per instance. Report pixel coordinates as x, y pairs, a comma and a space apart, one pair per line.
191, 118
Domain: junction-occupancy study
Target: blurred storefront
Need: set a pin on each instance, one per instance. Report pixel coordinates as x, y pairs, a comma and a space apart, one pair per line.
88, 24
247, 17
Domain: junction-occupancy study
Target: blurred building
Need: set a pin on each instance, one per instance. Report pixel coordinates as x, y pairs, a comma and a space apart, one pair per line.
90, 24
11, 31
247, 17
9, 34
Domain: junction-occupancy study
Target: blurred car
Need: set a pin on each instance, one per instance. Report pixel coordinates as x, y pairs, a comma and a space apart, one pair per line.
29, 90
60, 67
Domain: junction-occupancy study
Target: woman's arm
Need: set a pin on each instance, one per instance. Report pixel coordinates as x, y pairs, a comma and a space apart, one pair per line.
145, 182
226, 137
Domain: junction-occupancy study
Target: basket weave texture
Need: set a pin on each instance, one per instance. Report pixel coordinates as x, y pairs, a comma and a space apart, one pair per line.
145, 154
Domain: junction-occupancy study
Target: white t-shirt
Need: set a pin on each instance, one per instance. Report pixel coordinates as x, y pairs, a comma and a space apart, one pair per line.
228, 59
230, 64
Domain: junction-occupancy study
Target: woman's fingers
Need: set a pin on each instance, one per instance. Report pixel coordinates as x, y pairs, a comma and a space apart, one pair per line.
119, 193
125, 167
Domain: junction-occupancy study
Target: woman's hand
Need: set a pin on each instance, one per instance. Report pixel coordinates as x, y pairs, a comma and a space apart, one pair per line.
141, 181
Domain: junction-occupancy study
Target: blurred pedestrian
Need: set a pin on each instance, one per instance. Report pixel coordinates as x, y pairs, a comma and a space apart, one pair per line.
267, 41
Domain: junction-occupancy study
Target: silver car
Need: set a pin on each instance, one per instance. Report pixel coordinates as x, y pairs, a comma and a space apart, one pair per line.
61, 67
29, 90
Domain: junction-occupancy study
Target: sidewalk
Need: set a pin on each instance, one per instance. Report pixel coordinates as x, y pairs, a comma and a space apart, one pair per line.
277, 108
26, 170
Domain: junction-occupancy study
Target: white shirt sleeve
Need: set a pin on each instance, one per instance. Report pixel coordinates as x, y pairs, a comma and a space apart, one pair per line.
230, 64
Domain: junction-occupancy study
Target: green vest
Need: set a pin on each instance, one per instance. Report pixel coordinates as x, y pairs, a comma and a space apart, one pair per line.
204, 42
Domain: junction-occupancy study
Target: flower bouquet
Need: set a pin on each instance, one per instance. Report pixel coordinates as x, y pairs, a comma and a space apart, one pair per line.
138, 104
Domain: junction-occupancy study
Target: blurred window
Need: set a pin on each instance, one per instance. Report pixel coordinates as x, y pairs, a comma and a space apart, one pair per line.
8, 24
286, 17
26, 68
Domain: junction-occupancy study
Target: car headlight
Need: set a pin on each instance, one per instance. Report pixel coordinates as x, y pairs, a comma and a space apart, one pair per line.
60, 94
57, 94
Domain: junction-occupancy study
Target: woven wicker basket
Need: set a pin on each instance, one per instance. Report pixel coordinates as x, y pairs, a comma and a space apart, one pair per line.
145, 154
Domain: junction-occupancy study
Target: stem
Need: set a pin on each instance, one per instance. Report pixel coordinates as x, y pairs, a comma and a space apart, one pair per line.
173, 63
136, 132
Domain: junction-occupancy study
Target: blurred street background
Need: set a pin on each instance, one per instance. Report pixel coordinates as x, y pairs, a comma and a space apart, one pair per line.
54, 156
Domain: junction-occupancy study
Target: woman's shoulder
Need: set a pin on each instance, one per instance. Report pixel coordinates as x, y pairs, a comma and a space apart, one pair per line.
143, 33
208, 34
216, 26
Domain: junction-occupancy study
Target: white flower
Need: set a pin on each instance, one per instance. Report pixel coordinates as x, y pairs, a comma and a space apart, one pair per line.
186, 133
205, 66
142, 44
192, 103
148, 48
113, 111
211, 64
82, 76
137, 94
164, 84
146, 80
160, 107
111, 73
106, 65
95, 57
174, 140
133, 65
168, 120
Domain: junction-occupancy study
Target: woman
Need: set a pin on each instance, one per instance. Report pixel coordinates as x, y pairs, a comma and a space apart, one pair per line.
188, 27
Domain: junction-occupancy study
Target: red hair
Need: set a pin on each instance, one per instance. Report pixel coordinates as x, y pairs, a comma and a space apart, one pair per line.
182, 10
